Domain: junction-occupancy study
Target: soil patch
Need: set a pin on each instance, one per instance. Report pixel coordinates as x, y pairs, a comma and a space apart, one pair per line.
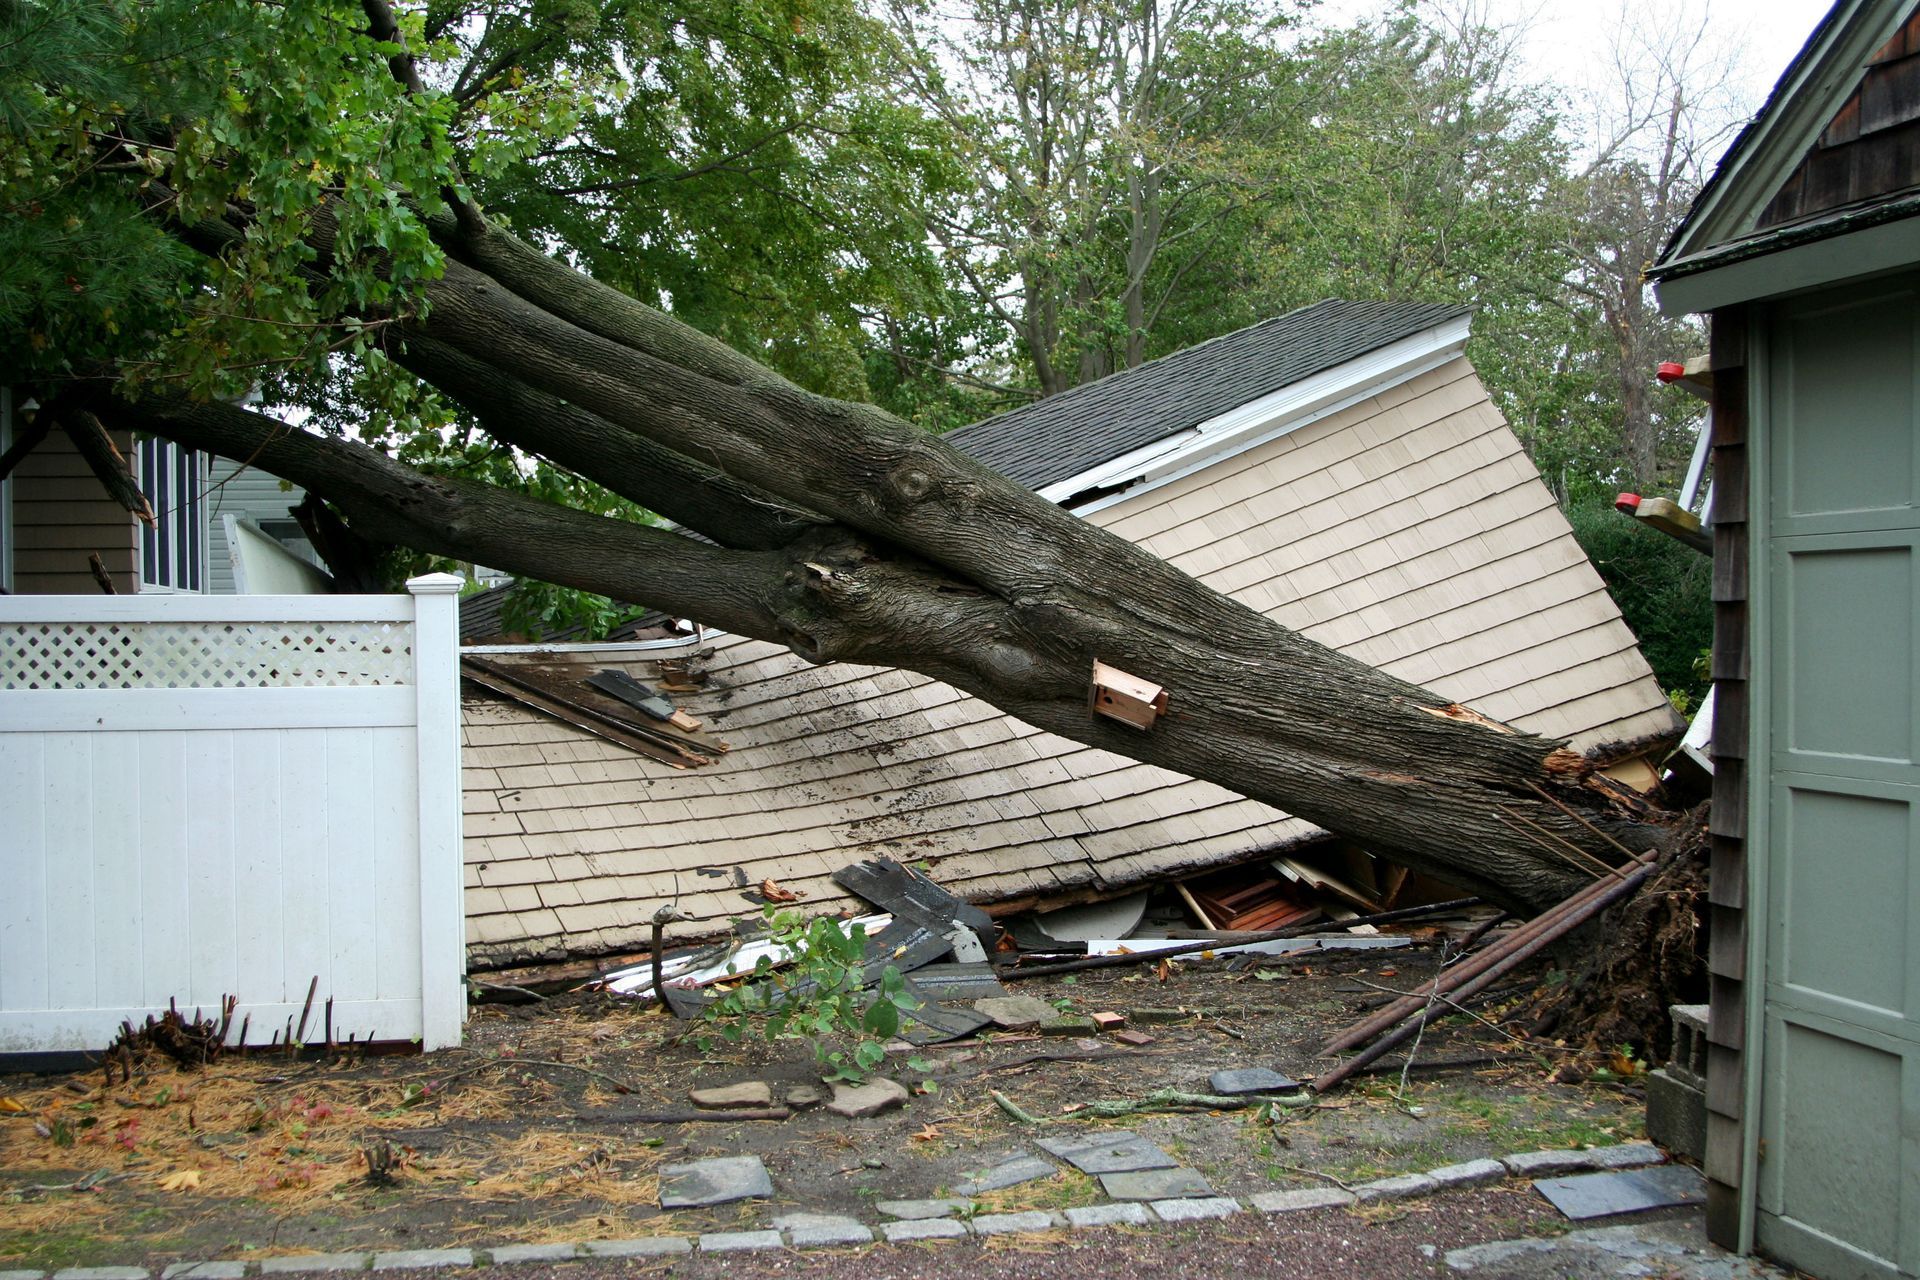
519, 1135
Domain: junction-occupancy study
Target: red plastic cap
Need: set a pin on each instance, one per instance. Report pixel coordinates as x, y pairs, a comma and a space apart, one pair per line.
1627, 502
1670, 371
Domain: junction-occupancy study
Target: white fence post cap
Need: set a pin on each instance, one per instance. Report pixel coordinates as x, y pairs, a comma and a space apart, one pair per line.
436, 584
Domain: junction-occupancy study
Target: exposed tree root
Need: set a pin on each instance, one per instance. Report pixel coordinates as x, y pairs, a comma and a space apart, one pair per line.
1642, 956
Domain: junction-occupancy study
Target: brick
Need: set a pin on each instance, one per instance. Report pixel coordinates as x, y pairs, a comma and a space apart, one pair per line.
1109, 1215
739, 1241
642, 1247
315, 1262
1195, 1210
923, 1229
1627, 1155
1536, 1164
510, 1253
1306, 1198
1002, 1224
1471, 1173
414, 1259
1404, 1187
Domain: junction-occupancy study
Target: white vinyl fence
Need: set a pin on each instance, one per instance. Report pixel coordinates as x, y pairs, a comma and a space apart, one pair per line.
209, 795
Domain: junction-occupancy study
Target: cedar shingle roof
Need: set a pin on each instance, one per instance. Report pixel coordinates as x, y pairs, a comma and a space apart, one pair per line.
1064, 435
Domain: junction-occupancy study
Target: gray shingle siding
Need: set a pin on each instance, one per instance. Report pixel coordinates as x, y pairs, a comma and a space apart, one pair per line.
1064, 435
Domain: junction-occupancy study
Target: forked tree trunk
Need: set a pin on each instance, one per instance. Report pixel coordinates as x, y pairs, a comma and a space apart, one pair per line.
850, 535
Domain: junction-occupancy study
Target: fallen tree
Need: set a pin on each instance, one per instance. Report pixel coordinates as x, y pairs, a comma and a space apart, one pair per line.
850, 535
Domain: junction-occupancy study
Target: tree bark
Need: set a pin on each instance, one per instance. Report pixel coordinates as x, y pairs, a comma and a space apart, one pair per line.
849, 535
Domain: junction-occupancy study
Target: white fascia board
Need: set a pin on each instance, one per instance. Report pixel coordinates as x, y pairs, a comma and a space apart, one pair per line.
1266, 418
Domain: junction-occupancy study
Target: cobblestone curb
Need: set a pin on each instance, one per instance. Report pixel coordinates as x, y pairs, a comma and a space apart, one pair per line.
810, 1231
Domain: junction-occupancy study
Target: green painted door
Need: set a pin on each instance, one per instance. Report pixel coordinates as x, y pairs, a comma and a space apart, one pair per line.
1839, 514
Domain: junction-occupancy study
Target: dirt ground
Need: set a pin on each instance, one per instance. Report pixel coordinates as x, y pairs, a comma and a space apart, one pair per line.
520, 1135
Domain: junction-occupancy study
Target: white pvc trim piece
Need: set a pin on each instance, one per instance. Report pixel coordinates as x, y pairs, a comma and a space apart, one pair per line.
1267, 418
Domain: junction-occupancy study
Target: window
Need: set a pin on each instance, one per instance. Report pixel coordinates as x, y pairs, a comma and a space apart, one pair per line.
173, 553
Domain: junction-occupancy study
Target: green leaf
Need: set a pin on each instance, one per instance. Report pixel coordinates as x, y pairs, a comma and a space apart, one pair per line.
882, 1019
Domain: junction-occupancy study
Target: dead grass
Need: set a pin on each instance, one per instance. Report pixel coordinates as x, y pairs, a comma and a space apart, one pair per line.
289, 1138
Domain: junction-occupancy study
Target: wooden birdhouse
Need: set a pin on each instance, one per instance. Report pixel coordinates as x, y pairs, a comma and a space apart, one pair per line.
1125, 698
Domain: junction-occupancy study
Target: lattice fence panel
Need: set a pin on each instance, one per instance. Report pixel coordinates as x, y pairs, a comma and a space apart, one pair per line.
204, 655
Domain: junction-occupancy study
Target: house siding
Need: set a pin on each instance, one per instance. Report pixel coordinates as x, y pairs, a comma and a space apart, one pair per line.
247, 492
61, 514
1408, 529
1727, 826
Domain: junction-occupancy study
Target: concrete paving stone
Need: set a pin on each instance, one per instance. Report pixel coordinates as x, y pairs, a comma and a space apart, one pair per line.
709, 1182
1471, 1173
198, 1271
1306, 1198
1015, 1013
740, 1241
1602, 1195
944, 1207
748, 1093
1239, 1080
869, 1099
1069, 1026
1008, 1173
1006, 1224
415, 1259
1130, 1214
101, 1273
1155, 1184
1113, 1151
1666, 1247
923, 1229
314, 1262
641, 1247
1195, 1210
1404, 1187
821, 1230
1627, 1155
23, 1275
1536, 1164
509, 1253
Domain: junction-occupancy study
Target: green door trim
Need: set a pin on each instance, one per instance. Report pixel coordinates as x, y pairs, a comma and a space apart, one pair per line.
1759, 752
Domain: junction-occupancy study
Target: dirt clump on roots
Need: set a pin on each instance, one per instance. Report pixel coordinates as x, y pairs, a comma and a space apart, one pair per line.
1642, 956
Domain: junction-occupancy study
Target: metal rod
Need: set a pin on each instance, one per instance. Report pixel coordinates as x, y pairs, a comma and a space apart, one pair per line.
1613, 891
1274, 935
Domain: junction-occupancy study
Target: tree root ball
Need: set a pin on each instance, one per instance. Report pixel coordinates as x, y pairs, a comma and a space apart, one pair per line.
1639, 958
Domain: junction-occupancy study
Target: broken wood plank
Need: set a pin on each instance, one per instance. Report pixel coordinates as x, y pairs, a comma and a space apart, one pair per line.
660, 746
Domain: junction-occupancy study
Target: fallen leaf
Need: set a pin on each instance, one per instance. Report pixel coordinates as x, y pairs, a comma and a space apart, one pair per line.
771, 890
185, 1180
928, 1133
1164, 970
11, 1106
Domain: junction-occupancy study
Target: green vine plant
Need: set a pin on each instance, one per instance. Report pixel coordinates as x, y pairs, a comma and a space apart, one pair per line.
818, 995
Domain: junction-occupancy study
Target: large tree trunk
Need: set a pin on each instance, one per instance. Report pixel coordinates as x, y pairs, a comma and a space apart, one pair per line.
850, 535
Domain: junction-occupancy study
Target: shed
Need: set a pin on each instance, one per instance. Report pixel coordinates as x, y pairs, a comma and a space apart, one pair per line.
1804, 251
1340, 468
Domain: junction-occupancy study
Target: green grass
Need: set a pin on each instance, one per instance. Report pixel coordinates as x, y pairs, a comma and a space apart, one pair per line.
72, 1247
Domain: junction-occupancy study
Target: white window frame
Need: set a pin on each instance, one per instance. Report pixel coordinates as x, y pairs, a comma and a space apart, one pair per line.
174, 481
6, 493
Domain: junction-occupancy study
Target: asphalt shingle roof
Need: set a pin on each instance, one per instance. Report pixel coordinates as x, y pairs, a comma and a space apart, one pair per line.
1064, 435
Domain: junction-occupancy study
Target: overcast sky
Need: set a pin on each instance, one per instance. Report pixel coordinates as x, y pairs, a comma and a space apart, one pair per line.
1565, 41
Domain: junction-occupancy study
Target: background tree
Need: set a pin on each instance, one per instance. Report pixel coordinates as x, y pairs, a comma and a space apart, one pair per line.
1110, 142
326, 198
